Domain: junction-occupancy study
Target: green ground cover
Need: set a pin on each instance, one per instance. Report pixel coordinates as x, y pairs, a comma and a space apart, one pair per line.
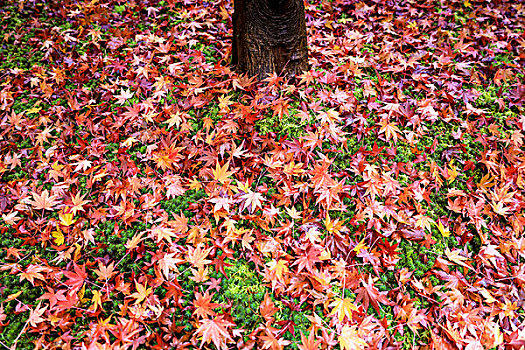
152, 198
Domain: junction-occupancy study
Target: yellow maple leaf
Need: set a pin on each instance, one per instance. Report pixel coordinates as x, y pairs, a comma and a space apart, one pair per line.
360, 246
280, 267
343, 307
58, 236
424, 222
96, 300
224, 102
142, 292
163, 233
442, 229
350, 339
81, 294
452, 173
489, 299
129, 142
457, 258
293, 213
412, 25
34, 109
13, 296
244, 187
66, 219
325, 255
200, 275
333, 226
175, 119
221, 173
197, 256
195, 184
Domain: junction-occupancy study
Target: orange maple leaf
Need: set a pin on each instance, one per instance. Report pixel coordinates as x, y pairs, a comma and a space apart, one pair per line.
32, 272
78, 203
179, 224
203, 305
267, 307
486, 181
105, 272
162, 233
390, 129
134, 241
142, 292
43, 201
197, 256
309, 343
216, 331
35, 317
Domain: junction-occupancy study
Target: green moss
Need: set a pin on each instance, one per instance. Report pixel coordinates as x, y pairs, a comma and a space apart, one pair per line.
120, 9
299, 321
410, 340
245, 291
289, 126
418, 258
182, 203
11, 284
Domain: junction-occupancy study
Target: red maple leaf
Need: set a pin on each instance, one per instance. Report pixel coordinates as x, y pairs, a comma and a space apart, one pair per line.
368, 293
76, 279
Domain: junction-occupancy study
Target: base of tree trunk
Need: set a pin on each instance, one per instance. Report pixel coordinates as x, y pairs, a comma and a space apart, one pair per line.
269, 36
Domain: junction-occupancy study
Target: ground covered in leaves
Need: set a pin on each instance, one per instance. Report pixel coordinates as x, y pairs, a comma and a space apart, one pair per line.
151, 198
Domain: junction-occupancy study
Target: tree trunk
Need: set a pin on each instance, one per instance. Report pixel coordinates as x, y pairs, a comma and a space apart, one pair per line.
269, 36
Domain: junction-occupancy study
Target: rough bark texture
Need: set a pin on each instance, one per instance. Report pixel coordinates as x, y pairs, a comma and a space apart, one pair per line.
269, 36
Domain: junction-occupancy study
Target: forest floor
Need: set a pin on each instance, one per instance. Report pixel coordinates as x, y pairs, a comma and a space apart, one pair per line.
151, 198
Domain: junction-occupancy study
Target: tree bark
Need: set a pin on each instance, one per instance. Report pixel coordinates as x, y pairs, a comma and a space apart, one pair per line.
269, 36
